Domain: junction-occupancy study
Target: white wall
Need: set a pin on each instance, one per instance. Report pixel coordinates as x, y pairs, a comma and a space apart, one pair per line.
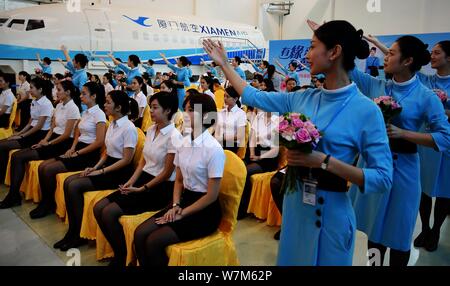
396, 17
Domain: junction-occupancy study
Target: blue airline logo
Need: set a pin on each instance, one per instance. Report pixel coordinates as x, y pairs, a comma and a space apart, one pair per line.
140, 21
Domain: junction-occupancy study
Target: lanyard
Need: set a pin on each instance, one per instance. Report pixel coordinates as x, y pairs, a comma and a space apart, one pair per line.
336, 113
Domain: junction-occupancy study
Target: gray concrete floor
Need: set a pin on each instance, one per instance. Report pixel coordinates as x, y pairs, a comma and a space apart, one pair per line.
29, 242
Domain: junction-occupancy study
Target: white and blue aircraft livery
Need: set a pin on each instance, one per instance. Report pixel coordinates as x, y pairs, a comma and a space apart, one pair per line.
100, 29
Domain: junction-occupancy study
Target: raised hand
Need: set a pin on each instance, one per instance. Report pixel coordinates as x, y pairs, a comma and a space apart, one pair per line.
216, 52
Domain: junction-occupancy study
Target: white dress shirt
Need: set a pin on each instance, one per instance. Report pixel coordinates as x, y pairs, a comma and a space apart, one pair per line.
64, 112
120, 134
88, 124
40, 108
157, 148
200, 160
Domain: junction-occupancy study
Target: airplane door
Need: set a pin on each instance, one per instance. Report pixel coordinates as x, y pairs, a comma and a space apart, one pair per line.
100, 31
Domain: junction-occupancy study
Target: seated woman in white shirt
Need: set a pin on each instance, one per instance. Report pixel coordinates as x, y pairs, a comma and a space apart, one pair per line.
207, 85
150, 187
231, 121
263, 153
7, 99
148, 84
23, 99
114, 167
59, 137
40, 120
85, 151
107, 82
139, 94
195, 210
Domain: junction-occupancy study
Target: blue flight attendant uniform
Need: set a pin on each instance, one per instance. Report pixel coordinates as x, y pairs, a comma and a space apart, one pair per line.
79, 77
150, 70
325, 234
182, 76
46, 68
258, 70
213, 71
241, 73
372, 62
291, 74
434, 165
131, 74
389, 219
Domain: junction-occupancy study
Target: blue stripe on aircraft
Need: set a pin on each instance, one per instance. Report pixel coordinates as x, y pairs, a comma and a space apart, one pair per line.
12, 52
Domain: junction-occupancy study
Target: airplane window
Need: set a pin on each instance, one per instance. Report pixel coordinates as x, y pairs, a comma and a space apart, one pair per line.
135, 35
35, 24
17, 24
146, 36
3, 21
155, 37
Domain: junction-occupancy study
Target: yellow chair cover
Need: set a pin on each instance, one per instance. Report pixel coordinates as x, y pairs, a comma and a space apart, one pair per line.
30, 184
261, 202
147, 119
89, 224
261, 194
17, 119
242, 150
129, 224
59, 194
178, 120
7, 132
219, 98
8, 168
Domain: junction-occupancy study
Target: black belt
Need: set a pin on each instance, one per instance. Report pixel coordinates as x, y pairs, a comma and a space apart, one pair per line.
402, 146
325, 180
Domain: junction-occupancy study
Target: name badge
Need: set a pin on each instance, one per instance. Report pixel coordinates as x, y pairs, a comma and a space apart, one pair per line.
309, 192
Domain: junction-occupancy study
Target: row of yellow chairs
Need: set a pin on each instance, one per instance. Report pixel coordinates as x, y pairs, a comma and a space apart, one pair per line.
216, 249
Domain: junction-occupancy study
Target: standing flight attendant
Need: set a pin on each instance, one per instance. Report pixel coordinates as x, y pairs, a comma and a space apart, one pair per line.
58, 139
389, 219
195, 211
113, 168
150, 187
131, 69
182, 77
89, 138
77, 67
434, 166
41, 112
292, 72
321, 223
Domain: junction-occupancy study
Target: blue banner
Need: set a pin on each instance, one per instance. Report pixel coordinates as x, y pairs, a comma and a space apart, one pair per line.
295, 50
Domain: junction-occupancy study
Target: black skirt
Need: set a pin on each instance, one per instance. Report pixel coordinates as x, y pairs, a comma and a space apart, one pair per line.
199, 224
24, 108
53, 151
4, 120
111, 180
153, 199
83, 161
34, 138
138, 122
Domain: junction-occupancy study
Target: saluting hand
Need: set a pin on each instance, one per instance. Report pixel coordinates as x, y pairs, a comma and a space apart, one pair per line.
216, 52
297, 158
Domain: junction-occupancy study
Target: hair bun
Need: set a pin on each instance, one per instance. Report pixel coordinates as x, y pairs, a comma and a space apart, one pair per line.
362, 48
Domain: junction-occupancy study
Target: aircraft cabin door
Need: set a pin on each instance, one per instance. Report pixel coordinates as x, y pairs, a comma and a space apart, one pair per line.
99, 30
